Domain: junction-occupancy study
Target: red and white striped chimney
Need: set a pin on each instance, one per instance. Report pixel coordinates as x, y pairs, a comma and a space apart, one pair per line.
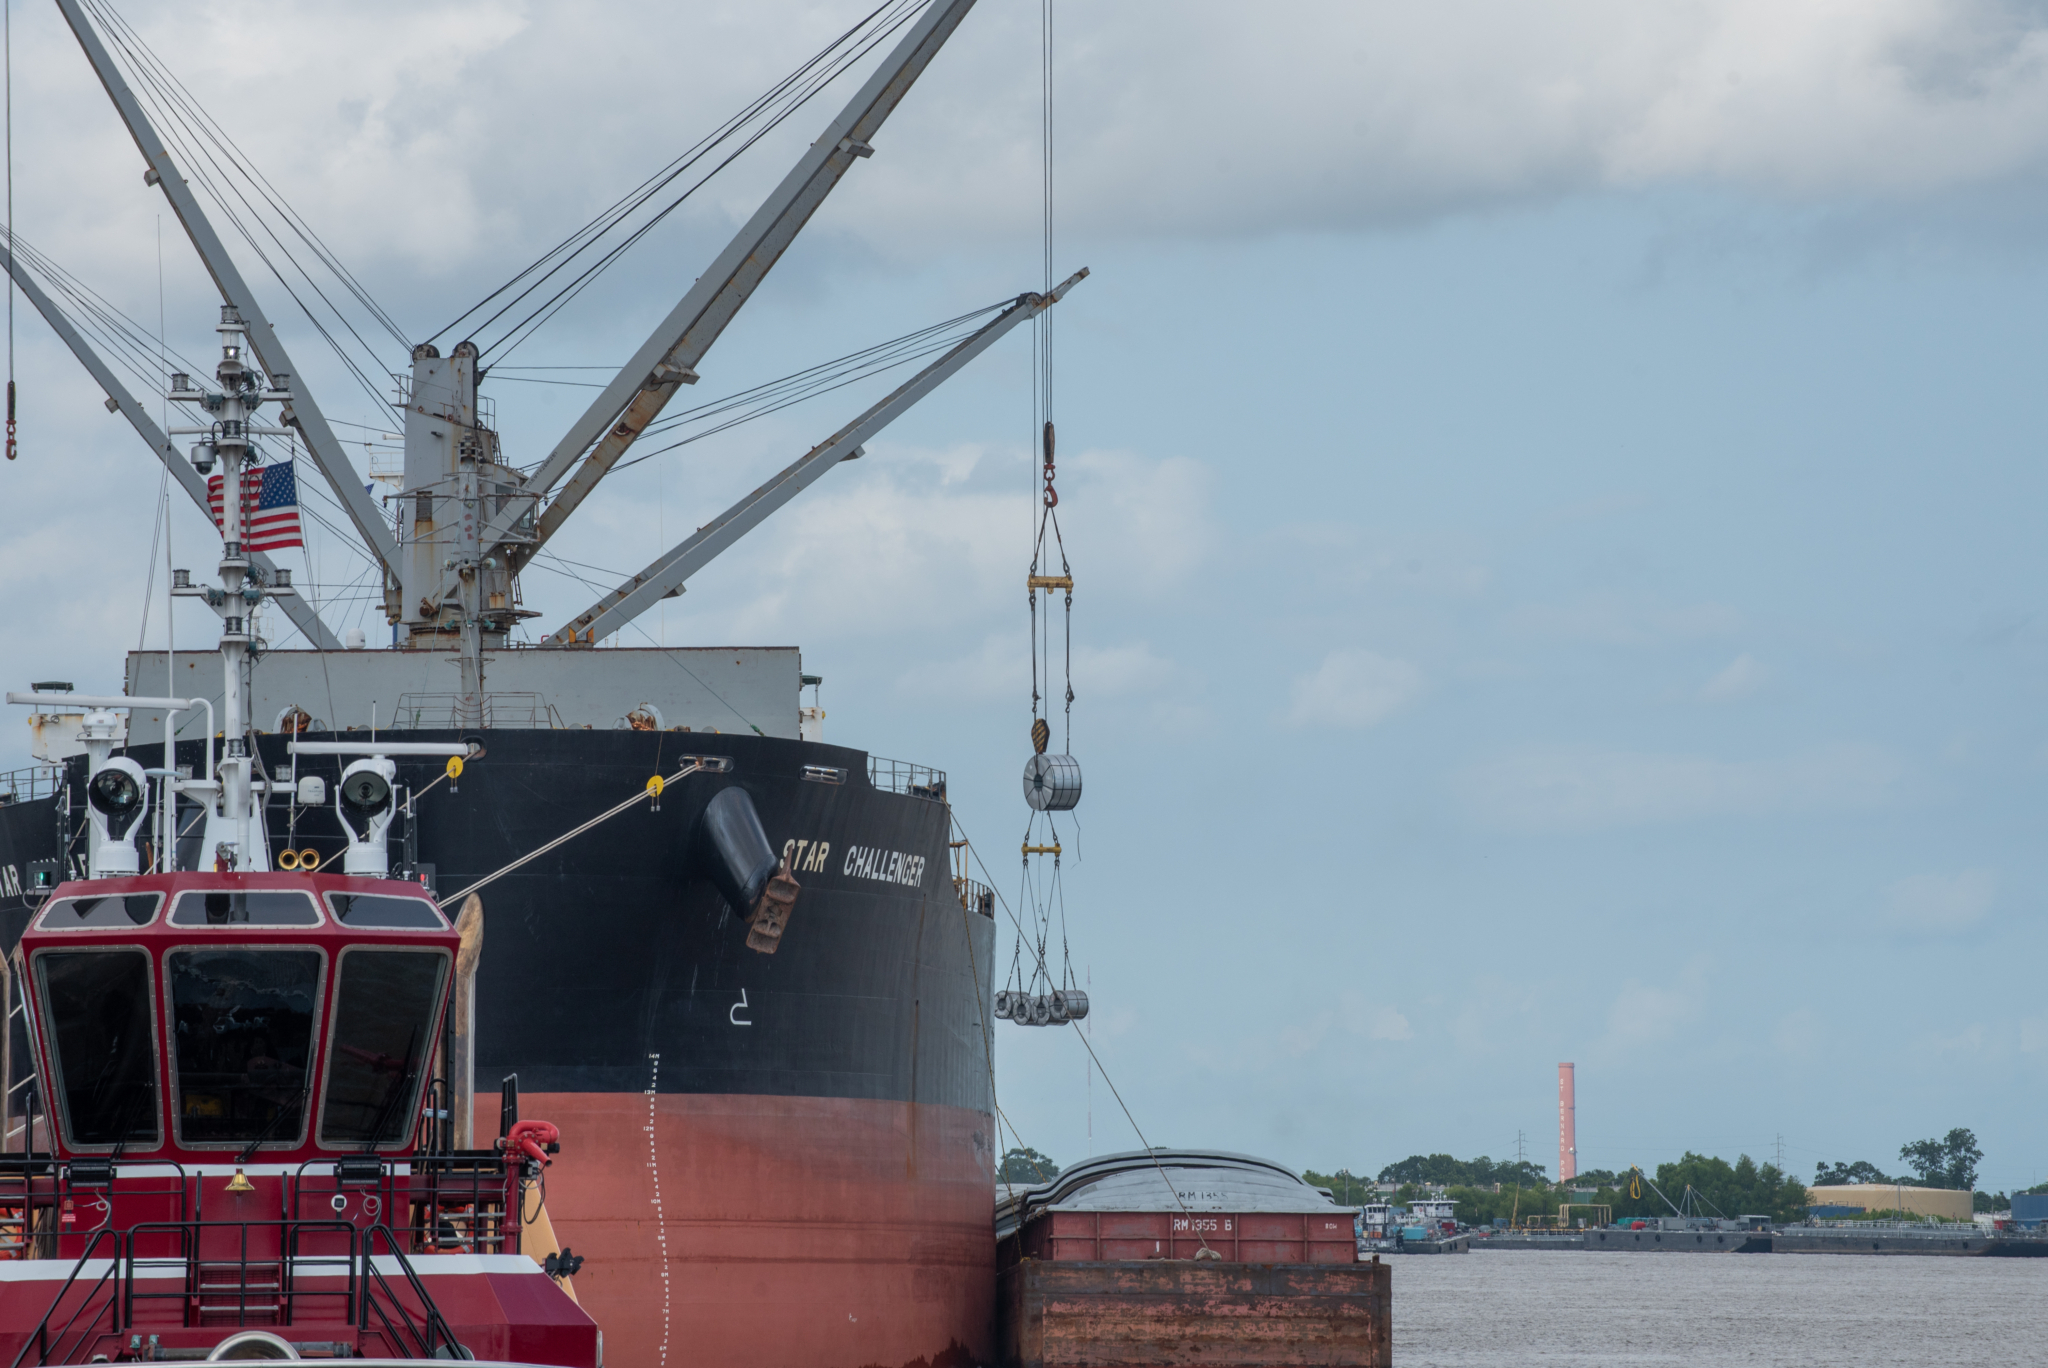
1567, 1124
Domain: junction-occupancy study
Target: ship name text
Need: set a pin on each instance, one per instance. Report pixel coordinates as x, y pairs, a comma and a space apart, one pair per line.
888, 866
806, 857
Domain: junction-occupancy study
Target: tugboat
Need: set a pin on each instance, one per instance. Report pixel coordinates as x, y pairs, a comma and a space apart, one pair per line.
235, 1068
244, 1148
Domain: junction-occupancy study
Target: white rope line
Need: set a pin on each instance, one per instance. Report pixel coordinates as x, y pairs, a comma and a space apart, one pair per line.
572, 833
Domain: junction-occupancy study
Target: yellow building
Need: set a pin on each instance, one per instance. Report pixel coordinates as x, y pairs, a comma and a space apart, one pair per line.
1947, 1203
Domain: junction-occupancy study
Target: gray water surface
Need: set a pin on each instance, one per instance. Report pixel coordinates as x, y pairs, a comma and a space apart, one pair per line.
1465, 1310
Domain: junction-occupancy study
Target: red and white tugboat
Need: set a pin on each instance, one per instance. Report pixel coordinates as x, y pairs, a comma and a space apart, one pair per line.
236, 1069
255, 1095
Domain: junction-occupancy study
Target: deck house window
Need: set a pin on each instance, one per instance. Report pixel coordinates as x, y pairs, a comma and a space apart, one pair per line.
242, 1040
385, 1003
97, 1009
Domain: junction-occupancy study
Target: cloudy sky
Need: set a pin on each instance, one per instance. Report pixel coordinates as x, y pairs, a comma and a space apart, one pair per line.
1554, 491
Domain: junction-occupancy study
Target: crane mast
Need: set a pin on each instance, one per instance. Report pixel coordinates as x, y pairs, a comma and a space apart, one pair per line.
466, 520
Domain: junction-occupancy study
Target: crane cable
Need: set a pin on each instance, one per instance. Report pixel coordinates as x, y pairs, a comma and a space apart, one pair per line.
1046, 896
766, 112
9, 63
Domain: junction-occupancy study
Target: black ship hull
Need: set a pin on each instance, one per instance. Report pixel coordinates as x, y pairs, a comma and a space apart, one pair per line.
780, 1158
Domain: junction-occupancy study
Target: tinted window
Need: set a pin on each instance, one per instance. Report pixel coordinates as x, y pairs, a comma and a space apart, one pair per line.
377, 910
384, 1008
241, 1040
253, 907
119, 911
96, 1004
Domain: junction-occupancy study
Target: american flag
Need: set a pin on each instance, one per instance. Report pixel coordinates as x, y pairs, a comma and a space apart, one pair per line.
270, 507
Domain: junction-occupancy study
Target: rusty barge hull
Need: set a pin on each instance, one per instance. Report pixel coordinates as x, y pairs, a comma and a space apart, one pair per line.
1162, 1313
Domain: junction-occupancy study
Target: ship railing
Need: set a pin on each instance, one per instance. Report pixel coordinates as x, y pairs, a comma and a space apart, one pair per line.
976, 897
89, 1184
28, 785
407, 1327
28, 1197
443, 712
450, 1202
458, 1204
900, 776
93, 1307
226, 1273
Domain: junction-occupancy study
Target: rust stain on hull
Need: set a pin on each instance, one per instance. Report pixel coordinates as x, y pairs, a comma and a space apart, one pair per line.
1184, 1314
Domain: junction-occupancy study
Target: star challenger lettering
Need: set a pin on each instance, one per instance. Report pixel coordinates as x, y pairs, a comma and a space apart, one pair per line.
885, 866
806, 857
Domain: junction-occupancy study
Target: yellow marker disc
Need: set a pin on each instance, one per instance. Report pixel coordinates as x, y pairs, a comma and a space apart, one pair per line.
656, 785
454, 767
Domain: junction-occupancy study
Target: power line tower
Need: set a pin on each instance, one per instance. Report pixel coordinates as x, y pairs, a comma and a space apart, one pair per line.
1521, 1146
1781, 1151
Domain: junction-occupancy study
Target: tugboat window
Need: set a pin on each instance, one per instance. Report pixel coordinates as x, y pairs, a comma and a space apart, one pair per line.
245, 907
242, 1038
380, 911
382, 1044
119, 911
97, 1005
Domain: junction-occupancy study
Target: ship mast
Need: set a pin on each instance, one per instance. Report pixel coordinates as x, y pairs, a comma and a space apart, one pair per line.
236, 838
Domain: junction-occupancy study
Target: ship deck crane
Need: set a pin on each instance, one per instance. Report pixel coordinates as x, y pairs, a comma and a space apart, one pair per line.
424, 572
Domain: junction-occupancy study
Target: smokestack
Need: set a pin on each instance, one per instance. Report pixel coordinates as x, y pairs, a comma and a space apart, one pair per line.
1567, 1124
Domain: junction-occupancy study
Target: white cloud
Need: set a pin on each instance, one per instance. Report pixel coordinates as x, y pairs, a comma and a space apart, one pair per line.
1649, 1014
1388, 1024
1741, 678
1374, 1021
1353, 688
1580, 789
481, 132
945, 536
1115, 671
1941, 902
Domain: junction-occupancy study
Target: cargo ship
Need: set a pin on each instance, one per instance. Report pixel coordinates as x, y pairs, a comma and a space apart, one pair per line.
740, 967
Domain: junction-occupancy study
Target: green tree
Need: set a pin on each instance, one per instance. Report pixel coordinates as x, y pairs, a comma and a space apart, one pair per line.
1025, 1165
1346, 1188
1841, 1175
1442, 1169
1950, 1162
1718, 1188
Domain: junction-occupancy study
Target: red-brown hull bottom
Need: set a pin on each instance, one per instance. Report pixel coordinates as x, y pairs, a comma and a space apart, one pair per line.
777, 1232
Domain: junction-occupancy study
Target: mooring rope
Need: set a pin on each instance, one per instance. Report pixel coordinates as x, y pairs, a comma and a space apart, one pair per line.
650, 791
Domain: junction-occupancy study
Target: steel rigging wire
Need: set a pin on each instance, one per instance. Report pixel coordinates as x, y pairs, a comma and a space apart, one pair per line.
199, 143
142, 56
823, 378
755, 121
1052, 782
9, 63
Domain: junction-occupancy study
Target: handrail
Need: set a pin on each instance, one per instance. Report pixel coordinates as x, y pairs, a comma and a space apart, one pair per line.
437, 1328
190, 1234
40, 1337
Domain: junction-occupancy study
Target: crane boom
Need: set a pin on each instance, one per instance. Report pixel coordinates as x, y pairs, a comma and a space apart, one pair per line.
667, 574
302, 411
295, 607
668, 358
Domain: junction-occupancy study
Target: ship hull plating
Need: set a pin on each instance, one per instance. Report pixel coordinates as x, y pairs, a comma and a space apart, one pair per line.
773, 1159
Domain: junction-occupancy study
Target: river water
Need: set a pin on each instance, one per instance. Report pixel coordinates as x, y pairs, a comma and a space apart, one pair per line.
1499, 1309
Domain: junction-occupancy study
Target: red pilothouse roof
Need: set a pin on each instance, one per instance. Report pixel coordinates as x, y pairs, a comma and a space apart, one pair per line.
220, 1017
